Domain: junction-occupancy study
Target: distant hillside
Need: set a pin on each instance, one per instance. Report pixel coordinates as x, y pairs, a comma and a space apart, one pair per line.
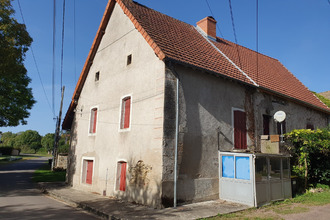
324, 97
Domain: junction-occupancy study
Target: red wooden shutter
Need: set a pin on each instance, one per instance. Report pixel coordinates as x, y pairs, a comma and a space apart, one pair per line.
127, 112
122, 186
240, 130
94, 121
89, 172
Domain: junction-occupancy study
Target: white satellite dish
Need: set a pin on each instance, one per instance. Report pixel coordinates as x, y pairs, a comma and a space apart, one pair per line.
279, 116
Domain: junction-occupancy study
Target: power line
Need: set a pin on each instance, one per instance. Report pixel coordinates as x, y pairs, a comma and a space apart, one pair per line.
53, 69
257, 37
74, 41
35, 61
234, 30
62, 48
208, 5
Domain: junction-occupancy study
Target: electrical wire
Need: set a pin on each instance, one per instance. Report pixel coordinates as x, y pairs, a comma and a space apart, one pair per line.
74, 41
234, 30
54, 44
62, 48
35, 61
208, 5
257, 37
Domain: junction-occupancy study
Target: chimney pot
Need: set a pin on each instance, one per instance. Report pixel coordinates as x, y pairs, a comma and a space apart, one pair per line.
208, 25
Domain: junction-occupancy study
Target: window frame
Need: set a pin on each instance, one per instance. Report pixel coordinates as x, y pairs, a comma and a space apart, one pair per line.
122, 114
95, 122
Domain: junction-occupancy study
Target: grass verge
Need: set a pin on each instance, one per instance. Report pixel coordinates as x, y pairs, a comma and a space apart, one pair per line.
300, 204
44, 174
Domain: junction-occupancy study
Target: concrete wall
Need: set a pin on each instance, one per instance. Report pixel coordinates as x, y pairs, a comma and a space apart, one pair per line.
140, 145
206, 126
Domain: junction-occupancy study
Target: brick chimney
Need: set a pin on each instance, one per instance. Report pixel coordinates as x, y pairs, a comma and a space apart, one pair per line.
208, 25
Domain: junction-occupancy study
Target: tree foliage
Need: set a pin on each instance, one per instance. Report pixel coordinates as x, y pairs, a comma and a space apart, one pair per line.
15, 96
47, 141
323, 99
28, 140
311, 152
8, 139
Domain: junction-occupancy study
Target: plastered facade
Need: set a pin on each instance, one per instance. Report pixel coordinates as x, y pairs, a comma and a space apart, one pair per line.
206, 105
143, 81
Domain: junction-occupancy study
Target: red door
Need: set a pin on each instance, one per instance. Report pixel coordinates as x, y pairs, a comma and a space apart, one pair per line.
122, 185
240, 130
89, 172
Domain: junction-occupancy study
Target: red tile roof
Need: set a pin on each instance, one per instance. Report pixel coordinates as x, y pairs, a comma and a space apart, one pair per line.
178, 41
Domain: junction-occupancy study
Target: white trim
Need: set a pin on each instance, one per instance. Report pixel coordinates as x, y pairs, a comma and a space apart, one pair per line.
82, 170
130, 113
227, 58
97, 119
232, 123
116, 172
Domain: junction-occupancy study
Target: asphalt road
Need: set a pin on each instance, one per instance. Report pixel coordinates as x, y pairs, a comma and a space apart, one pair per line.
20, 199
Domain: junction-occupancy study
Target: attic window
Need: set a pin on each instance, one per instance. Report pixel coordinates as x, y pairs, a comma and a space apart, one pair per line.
97, 76
129, 59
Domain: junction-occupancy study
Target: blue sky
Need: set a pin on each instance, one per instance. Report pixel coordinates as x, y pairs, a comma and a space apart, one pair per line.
296, 32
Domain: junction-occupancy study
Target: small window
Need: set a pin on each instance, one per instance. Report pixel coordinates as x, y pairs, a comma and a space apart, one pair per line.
129, 59
97, 76
125, 113
286, 168
275, 168
121, 176
93, 119
261, 169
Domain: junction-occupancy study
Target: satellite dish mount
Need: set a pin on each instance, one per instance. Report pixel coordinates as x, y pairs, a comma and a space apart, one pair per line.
280, 116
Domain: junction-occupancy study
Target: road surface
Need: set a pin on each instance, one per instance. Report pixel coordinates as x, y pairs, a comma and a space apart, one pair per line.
19, 198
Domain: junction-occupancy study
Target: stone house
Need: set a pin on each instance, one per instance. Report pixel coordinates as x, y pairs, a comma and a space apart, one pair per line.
159, 98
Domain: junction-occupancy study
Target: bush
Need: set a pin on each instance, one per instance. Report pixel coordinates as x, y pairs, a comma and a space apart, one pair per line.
310, 151
6, 150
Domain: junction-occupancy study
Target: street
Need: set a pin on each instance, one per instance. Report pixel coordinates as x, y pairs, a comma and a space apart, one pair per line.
20, 199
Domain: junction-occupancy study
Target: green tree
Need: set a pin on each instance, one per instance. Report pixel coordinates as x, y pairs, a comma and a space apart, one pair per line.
28, 140
311, 152
47, 142
8, 139
15, 96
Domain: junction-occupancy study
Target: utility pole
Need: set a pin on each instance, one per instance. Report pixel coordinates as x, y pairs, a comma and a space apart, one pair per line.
57, 132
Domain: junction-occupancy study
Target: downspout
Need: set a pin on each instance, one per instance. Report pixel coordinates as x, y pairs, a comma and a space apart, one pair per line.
175, 178
176, 139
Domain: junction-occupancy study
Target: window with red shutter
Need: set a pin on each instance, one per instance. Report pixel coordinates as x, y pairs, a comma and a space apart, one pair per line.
125, 113
240, 141
121, 176
93, 120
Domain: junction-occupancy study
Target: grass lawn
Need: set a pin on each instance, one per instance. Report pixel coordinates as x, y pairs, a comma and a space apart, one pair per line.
44, 174
278, 210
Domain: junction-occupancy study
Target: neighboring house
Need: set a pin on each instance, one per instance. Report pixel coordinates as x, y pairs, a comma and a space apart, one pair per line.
144, 69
